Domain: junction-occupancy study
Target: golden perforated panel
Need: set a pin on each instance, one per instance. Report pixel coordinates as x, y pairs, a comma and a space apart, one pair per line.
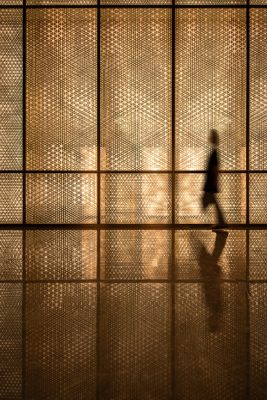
61, 2
11, 341
135, 198
258, 2
199, 254
135, 254
258, 341
11, 89
211, 343
136, 89
258, 198
11, 2
211, 2
189, 192
61, 254
61, 198
135, 341
210, 86
61, 341
258, 254
61, 104
258, 88
10, 198
10, 255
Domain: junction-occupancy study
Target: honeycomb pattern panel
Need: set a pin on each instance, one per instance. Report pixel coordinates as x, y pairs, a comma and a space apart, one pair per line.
257, 198
210, 86
211, 2
11, 341
61, 341
135, 341
10, 2
189, 192
201, 254
135, 198
10, 198
10, 255
258, 87
11, 89
255, 2
135, 254
258, 341
136, 89
61, 254
258, 254
61, 198
61, 2
211, 347
61, 104
137, 2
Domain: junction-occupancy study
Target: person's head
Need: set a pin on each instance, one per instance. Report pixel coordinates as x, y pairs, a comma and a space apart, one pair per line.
214, 137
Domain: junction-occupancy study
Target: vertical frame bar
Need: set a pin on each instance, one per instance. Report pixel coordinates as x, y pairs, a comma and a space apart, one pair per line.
247, 108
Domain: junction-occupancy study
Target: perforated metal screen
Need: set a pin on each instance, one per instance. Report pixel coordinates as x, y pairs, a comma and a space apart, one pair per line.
112, 284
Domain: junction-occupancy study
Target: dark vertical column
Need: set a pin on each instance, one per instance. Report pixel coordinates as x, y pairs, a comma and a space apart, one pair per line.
247, 191
24, 201
172, 274
98, 208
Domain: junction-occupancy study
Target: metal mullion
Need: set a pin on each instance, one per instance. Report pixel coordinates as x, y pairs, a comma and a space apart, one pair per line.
247, 107
170, 6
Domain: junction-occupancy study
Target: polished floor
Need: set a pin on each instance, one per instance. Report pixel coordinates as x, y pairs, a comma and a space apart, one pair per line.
133, 314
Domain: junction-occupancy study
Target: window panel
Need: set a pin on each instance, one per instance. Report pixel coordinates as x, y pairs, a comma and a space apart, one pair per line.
257, 198
61, 254
211, 348
136, 89
135, 350
61, 2
210, 86
189, 192
135, 198
202, 254
10, 255
10, 198
258, 341
61, 341
258, 255
211, 2
258, 88
11, 89
61, 198
11, 341
135, 254
61, 104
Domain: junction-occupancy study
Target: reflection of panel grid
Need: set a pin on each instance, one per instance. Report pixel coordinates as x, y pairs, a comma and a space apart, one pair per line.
135, 341
257, 254
10, 255
258, 341
196, 250
61, 113
258, 90
210, 71
211, 341
136, 71
60, 348
258, 198
189, 191
10, 341
11, 89
135, 254
61, 254
10, 198
61, 2
140, 198
61, 198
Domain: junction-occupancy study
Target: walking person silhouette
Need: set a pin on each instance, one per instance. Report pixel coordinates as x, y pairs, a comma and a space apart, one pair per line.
211, 182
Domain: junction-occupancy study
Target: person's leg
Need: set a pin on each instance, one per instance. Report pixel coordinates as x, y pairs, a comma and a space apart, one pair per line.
220, 216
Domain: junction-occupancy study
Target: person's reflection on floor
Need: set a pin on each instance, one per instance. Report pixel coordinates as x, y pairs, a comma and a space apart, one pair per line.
211, 274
